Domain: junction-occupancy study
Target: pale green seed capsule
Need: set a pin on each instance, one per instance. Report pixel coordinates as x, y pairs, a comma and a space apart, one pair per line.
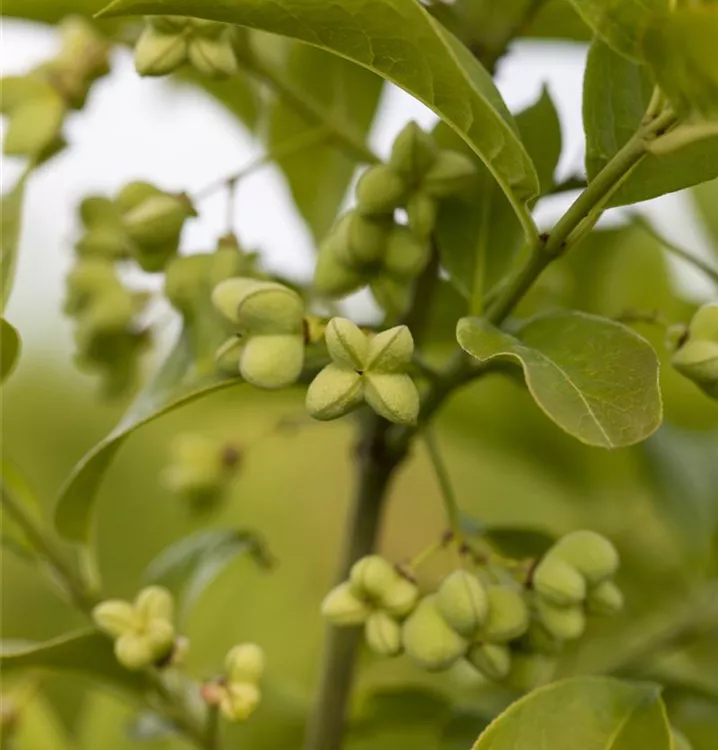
508, 616
392, 396
493, 661
239, 701
245, 663
451, 174
429, 640
154, 603
335, 392
160, 635
262, 307
134, 651
605, 599
390, 351
185, 283
380, 191
373, 576
405, 256
272, 361
422, 212
563, 623
462, 601
591, 554
34, 126
365, 238
158, 53
97, 210
383, 634
115, 617
214, 58
103, 242
698, 361
413, 153
400, 598
158, 220
341, 606
332, 275
704, 325
348, 346
135, 193
557, 581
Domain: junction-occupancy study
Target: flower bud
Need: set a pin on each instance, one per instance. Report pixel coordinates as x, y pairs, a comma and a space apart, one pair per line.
115, 617
493, 661
558, 581
380, 191
462, 601
239, 701
383, 634
245, 663
413, 153
390, 351
365, 238
159, 53
372, 576
341, 606
422, 212
214, 58
451, 174
508, 615
406, 256
134, 651
158, 220
591, 554
272, 361
400, 598
259, 306
392, 396
429, 640
563, 623
605, 599
334, 393
348, 346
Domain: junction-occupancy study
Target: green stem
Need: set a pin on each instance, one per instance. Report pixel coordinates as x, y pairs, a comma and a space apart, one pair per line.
447, 490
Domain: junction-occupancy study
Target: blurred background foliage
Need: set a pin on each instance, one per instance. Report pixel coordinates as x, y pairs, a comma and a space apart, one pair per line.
511, 467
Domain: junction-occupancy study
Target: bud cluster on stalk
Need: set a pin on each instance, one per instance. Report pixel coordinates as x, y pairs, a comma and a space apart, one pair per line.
237, 691
368, 246
499, 628
169, 42
36, 103
696, 351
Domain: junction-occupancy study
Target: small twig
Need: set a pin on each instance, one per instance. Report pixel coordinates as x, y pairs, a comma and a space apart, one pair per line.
447, 490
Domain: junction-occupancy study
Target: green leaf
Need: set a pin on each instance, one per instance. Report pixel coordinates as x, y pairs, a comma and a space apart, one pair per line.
558, 19
403, 44
620, 23
706, 199
13, 536
681, 50
10, 344
596, 379
86, 653
10, 222
479, 234
319, 176
615, 97
181, 379
188, 566
590, 713
39, 727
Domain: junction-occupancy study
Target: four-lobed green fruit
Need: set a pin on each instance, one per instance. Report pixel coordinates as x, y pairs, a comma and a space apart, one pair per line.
238, 694
370, 369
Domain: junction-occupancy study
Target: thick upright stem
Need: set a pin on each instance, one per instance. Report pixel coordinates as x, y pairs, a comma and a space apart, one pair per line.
376, 464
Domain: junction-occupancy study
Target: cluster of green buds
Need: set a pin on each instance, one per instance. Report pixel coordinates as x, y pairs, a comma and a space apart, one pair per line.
497, 623
36, 103
168, 42
368, 246
696, 350
237, 691
201, 469
365, 368
143, 223
143, 630
269, 327
109, 337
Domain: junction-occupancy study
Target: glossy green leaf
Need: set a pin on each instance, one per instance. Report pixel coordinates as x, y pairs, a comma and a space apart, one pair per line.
479, 234
403, 44
596, 379
181, 379
558, 19
10, 224
10, 346
590, 713
621, 23
86, 653
319, 176
189, 565
615, 97
49, 11
681, 50
13, 536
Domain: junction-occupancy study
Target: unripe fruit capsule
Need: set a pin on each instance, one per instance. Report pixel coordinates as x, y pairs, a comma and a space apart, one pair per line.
508, 615
373, 576
380, 191
413, 153
341, 606
462, 601
245, 663
564, 623
558, 581
429, 640
590, 553
383, 634
392, 396
272, 361
334, 392
491, 660
400, 598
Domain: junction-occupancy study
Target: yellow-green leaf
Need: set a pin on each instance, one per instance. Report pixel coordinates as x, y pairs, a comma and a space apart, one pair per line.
595, 378
10, 223
583, 713
10, 345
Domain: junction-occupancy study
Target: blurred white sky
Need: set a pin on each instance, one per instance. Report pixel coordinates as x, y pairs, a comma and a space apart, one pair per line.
175, 136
